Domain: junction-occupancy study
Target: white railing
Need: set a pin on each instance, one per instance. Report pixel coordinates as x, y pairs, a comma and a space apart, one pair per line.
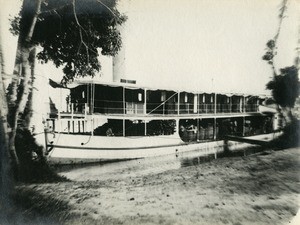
116, 107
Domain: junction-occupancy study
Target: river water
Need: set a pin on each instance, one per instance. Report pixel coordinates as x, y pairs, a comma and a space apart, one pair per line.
145, 166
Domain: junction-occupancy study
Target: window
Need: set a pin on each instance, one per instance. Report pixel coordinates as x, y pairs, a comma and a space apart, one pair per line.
185, 97
163, 96
140, 96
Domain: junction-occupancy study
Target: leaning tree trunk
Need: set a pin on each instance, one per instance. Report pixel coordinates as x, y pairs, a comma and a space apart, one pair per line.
5, 178
18, 96
28, 111
288, 115
22, 97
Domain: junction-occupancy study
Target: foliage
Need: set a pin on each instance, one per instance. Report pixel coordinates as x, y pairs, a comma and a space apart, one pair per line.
15, 25
269, 55
289, 138
70, 33
285, 87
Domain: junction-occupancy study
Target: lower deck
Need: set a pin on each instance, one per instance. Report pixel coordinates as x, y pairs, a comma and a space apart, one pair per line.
189, 129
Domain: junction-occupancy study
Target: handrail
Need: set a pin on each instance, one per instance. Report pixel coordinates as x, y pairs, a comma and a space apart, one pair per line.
184, 108
162, 103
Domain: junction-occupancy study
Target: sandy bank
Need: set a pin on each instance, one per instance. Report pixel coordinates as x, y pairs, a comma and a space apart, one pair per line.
258, 189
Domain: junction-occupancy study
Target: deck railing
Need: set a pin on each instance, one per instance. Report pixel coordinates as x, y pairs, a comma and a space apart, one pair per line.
116, 107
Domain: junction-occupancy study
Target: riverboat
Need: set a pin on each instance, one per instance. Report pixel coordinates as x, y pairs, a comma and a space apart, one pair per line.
117, 121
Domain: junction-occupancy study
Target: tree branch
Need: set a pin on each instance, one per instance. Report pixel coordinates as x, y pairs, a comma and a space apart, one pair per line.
80, 33
36, 14
297, 59
54, 9
107, 8
281, 16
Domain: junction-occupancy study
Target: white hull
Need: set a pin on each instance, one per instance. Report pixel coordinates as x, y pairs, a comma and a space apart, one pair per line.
68, 148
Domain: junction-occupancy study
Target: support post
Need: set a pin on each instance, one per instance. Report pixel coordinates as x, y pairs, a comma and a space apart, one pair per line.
145, 101
215, 104
215, 128
124, 106
178, 106
92, 127
72, 111
60, 121
198, 129
46, 141
124, 111
243, 130
93, 98
123, 127
198, 104
87, 97
230, 104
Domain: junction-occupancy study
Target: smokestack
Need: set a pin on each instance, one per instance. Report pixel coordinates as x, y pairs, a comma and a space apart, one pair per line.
119, 59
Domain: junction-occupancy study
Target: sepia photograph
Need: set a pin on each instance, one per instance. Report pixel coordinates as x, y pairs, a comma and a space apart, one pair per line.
147, 112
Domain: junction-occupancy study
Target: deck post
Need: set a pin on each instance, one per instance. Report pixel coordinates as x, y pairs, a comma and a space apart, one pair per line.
215, 104
145, 131
243, 130
124, 111
93, 98
195, 105
87, 96
215, 128
92, 126
178, 105
198, 104
84, 122
240, 105
145, 101
230, 104
60, 121
46, 141
124, 108
198, 130
72, 110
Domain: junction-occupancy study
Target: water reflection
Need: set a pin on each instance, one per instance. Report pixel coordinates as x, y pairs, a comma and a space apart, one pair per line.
147, 166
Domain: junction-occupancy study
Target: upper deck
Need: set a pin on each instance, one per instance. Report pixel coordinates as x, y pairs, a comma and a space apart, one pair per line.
90, 99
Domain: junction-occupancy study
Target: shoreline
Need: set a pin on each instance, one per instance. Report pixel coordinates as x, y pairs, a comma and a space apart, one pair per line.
263, 188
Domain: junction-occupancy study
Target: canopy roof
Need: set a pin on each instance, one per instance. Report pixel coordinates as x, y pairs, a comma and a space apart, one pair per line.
162, 88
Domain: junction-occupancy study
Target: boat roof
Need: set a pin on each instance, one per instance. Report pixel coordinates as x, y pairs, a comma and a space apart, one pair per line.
77, 83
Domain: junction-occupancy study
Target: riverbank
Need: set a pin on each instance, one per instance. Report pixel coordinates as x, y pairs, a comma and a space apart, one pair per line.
263, 188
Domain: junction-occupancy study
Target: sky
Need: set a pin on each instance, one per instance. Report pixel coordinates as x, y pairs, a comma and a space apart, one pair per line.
205, 45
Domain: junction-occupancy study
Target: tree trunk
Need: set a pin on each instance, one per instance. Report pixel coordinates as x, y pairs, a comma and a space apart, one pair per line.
22, 98
5, 178
12, 88
19, 97
28, 111
288, 115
